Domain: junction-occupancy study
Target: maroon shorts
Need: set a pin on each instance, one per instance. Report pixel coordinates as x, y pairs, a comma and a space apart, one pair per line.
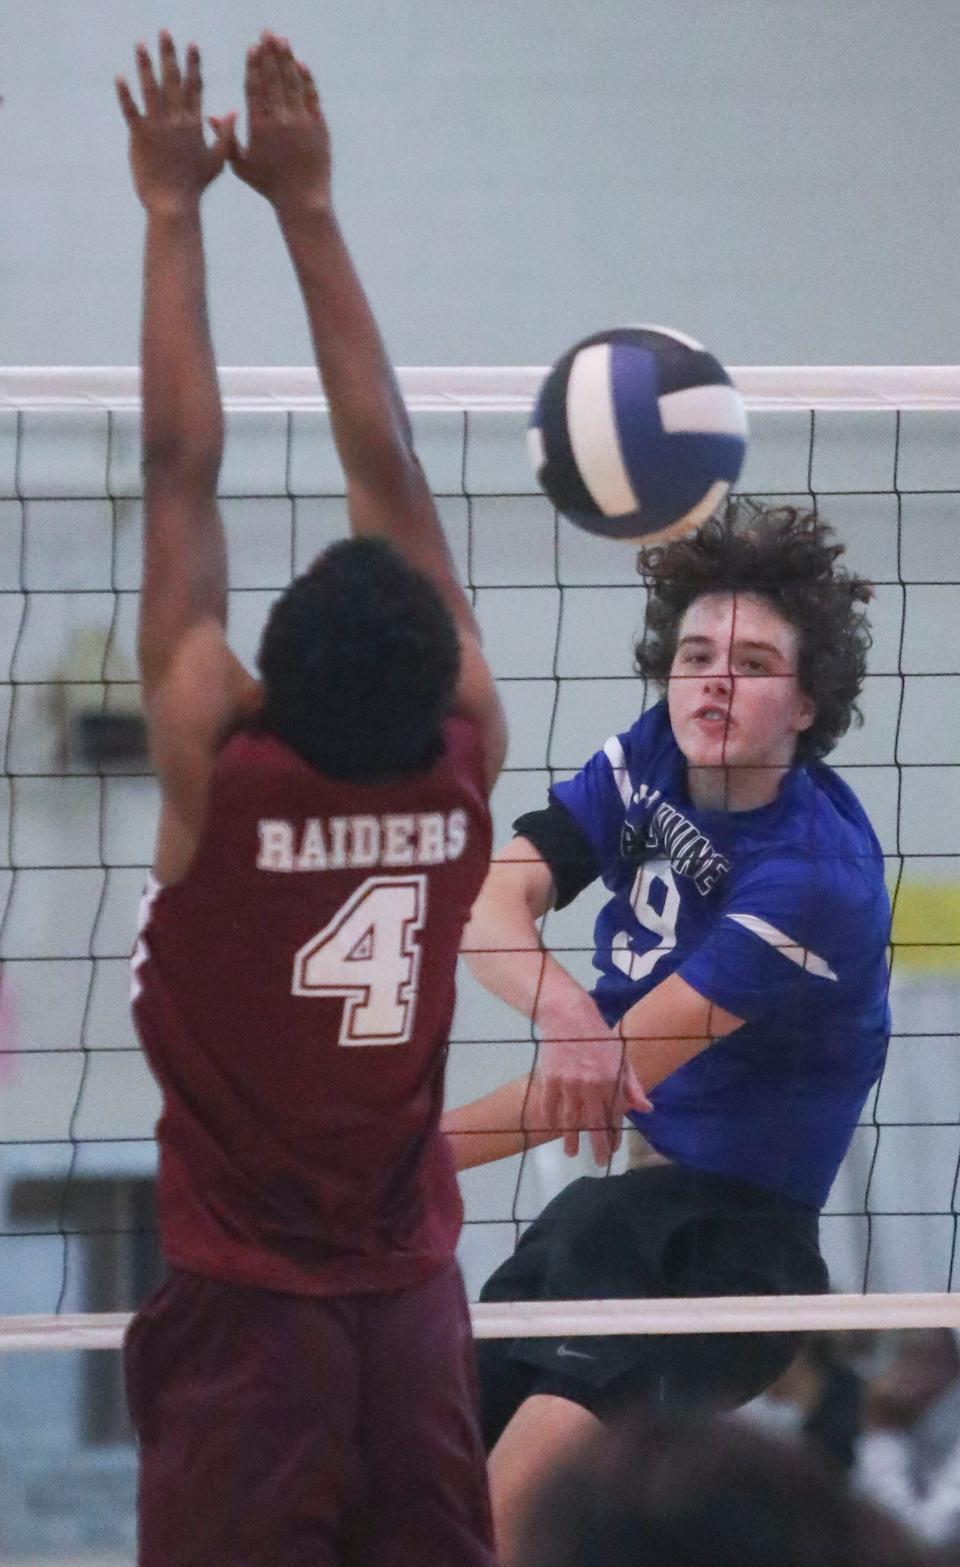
299, 1431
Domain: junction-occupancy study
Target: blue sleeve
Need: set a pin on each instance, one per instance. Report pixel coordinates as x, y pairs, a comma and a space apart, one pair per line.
790, 930
597, 798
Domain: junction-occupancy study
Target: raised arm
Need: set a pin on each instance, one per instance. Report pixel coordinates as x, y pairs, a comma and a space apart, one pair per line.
288, 161
192, 686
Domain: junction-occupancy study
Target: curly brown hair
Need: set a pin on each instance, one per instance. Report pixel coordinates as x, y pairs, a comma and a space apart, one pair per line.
788, 557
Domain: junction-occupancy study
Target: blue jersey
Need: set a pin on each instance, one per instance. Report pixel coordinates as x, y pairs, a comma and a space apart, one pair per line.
779, 915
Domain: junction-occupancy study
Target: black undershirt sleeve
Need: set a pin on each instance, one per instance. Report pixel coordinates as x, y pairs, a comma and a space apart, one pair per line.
560, 840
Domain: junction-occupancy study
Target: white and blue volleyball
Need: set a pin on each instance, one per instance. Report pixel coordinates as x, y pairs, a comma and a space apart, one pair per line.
638, 434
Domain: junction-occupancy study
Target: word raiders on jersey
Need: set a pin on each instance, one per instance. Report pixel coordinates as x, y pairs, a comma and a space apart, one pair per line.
358, 842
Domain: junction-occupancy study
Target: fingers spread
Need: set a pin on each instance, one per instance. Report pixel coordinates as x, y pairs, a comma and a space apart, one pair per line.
148, 82
128, 107
276, 80
289, 75
193, 81
271, 79
311, 98
169, 71
253, 85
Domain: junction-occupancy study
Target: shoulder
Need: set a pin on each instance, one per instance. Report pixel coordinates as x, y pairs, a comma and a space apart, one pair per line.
816, 828
822, 806
246, 777
645, 754
629, 767
831, 828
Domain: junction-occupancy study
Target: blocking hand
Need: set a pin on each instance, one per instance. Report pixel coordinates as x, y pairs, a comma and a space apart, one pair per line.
287, 158
171, 161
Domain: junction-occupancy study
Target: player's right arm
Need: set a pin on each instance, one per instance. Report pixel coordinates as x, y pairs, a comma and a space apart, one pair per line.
193, 687
588, 1084
288, 161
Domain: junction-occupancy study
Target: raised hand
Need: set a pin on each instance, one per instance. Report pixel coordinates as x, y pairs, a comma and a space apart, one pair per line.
171, 161
287, 158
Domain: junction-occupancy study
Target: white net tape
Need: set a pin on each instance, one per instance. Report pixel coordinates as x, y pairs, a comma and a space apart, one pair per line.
573, 1318
853, 388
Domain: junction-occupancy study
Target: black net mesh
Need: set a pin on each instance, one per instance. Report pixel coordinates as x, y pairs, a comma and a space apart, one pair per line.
559, 611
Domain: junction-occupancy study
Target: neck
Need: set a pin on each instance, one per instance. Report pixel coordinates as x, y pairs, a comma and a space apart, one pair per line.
733, 788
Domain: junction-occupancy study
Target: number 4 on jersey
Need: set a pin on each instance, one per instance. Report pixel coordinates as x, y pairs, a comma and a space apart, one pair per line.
369, 954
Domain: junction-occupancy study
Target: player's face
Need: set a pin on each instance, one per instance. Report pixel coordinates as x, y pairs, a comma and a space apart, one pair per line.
734, 697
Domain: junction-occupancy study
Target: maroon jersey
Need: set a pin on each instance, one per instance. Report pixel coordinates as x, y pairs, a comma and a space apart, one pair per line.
294, 995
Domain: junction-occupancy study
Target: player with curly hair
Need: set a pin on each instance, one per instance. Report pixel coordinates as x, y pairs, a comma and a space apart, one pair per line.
742, 983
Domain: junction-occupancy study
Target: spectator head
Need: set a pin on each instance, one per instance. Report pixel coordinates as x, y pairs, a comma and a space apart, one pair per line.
667, 1489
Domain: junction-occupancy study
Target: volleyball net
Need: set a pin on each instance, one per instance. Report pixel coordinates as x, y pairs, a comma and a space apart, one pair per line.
874, 449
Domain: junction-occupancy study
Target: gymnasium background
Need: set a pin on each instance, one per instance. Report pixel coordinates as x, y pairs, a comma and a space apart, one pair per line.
777, 180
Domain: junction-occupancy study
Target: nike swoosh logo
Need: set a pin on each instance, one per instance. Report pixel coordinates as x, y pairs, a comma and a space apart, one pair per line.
575, 1354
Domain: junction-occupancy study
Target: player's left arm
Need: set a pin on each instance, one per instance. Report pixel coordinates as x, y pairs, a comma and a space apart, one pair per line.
670, 1025
193, 686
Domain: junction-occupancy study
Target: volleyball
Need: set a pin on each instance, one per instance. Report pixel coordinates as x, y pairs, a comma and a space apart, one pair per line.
637, 433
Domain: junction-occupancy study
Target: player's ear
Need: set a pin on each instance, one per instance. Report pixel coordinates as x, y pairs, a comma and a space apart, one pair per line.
806, 712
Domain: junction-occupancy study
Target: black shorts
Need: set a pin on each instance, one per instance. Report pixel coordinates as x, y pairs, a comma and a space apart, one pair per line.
652, 1233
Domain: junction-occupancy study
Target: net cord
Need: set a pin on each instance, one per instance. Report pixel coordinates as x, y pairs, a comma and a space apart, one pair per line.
495, 388
576, 1318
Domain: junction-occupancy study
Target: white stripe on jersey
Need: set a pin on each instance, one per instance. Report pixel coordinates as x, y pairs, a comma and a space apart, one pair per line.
613, 751
802, 956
